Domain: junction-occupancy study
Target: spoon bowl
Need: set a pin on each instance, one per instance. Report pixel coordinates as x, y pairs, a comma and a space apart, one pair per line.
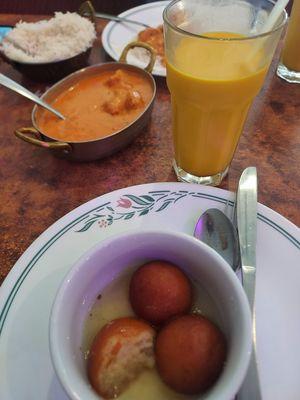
216, 230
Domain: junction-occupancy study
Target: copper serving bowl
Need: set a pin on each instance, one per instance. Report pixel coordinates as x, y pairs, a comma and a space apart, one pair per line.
96, 148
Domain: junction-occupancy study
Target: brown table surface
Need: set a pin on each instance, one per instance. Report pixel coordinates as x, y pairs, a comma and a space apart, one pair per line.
36, 188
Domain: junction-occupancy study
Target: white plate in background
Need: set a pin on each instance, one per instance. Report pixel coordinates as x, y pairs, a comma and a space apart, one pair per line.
116, 36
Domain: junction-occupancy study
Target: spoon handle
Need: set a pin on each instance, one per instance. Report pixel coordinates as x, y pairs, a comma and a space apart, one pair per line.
87, 10
120, 19
10, 84
246, 222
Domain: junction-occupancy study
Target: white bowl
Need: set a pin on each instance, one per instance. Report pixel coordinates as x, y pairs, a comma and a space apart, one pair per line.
109, 259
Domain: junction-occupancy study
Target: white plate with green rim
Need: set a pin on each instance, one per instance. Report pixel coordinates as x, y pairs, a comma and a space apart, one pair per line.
116, 35
27, 293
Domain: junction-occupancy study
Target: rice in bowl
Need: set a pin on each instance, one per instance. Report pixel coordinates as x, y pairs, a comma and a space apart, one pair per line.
59, 38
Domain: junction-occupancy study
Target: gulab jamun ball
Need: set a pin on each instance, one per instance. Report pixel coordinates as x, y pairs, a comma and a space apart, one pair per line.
158, 291
190, 354
119, 353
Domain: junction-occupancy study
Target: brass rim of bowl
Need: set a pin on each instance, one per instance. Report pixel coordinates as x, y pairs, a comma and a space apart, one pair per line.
115, 65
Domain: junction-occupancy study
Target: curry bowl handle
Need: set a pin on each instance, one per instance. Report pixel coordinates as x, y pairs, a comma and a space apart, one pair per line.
31, 135
146, 46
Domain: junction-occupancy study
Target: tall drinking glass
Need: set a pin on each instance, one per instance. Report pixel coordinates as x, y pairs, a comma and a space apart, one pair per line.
216, 65
289, 66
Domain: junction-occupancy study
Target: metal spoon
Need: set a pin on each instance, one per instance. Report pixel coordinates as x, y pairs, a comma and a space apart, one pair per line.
247, 227
215, 229
10, 84
87, 10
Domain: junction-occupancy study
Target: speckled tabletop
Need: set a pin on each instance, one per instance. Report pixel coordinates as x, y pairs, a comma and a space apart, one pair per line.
36, 188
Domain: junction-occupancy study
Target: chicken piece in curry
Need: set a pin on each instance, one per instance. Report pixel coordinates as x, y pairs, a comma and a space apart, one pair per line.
123, 97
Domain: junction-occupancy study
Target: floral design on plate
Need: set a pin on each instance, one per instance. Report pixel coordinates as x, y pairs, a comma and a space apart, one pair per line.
129, 206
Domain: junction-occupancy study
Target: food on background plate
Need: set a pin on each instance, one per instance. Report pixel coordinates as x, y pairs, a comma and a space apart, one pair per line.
61, 37
158, 291
97, 106
190, 354
119, 353
155, 38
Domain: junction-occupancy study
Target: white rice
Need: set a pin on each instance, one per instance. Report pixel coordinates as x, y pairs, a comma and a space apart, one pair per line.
61, 37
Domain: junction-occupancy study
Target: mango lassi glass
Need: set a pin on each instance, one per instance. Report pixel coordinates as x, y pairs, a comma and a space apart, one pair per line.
216, 65
289, 66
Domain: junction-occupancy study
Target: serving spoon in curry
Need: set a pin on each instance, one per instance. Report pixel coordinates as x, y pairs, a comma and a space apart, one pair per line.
16, 87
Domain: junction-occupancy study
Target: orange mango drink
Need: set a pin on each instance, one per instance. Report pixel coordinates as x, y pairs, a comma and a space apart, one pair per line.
212, 85
291, 50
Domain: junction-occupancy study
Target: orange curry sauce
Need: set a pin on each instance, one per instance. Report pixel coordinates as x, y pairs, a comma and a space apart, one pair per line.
97, 106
